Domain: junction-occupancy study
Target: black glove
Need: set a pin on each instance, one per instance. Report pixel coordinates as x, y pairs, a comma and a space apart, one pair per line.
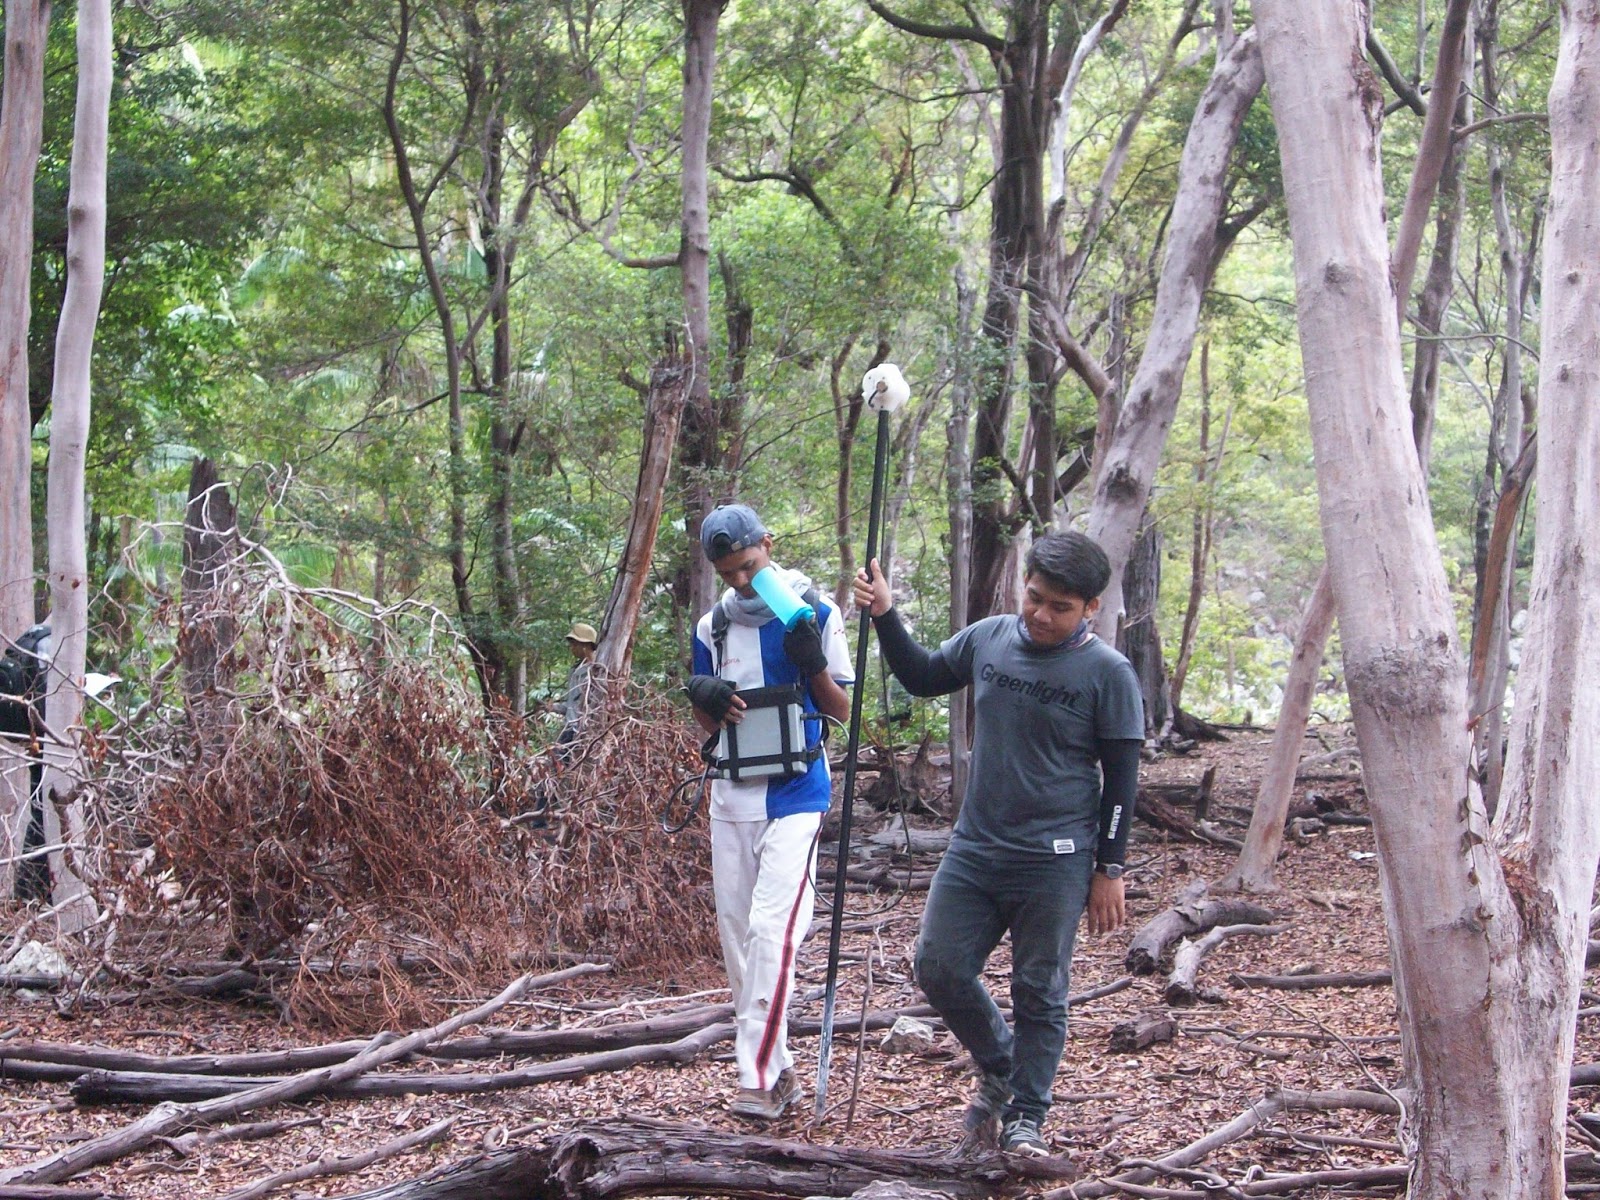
803, 645
710, 695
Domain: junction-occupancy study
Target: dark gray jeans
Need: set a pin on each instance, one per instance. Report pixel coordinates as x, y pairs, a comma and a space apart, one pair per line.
972, 903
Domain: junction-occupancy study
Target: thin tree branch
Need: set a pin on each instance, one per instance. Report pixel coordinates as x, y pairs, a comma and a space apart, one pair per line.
1391, 72
1515, 118
948, 33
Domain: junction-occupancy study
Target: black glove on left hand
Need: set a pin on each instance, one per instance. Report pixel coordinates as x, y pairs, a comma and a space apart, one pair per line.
803, 645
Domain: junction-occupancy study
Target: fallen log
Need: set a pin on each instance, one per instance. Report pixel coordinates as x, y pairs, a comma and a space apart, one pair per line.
1306, 983
1144, 1030
132, 1087
1259, 1113
1182, 987
170, 1119
496, 1043
1157, 813
49, 1192
644, 1158
345, 1164
1193, 913
90, 1087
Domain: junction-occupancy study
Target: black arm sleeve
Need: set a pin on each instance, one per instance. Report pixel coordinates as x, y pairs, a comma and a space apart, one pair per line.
922, 672
1119, 763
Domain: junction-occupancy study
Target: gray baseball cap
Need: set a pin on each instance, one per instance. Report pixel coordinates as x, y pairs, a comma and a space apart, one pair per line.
729, 528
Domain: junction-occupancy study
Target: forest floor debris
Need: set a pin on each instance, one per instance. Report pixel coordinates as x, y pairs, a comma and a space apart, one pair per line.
1116, 1113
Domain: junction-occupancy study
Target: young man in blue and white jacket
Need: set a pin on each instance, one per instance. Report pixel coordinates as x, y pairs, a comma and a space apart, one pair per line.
764, 831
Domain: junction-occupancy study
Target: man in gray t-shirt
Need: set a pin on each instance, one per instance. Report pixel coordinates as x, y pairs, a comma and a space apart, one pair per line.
1043, 826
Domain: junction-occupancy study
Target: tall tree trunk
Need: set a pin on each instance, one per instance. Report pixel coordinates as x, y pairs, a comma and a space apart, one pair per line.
1256, 867
1124, 476
1015, 236
1254, 870
958, 500
1207, 466
1502, 486
1486, 946
416, 200
1140, 637
1548, 829
69, 430
505, 431
209, 627
1437, 288
699, 459
21, 123
664, 405
1436, 152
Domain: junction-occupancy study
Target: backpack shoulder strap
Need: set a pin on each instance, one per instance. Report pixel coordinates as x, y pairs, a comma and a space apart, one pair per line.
719, 636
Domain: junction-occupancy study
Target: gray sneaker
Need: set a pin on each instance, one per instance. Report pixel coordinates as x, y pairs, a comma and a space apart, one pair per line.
1022, 1137
768, 1104
982, 1118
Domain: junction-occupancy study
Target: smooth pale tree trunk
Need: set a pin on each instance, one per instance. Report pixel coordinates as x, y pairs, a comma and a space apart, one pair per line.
21, 124
700, 459
1058, 130
958, 499
1548, 828
1435, 151
1486, 957
1123, 479
1438, 166
1255, 869
69, 431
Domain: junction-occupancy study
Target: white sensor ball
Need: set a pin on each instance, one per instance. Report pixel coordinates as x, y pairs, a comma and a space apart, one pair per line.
884, 388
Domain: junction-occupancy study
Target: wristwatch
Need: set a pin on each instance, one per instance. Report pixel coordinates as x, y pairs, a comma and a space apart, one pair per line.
1110, 870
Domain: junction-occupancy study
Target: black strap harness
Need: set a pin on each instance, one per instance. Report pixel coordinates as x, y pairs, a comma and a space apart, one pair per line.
774, 745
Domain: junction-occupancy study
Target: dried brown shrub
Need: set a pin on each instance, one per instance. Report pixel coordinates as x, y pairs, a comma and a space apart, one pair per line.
364, 817
612, 876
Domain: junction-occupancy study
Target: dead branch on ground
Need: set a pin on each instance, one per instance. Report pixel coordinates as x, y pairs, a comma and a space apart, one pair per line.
645, 1158
1193, 913
1182, 986
170, 1119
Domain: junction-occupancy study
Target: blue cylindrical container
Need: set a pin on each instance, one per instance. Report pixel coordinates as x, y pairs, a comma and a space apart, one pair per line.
780, 597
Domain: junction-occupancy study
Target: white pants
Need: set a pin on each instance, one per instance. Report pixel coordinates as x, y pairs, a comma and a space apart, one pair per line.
763, 874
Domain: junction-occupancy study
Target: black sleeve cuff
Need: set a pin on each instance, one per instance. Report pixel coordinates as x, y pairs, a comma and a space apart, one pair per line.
1119, 764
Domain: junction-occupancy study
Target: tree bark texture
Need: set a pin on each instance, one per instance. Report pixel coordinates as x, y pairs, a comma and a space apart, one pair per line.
1437, 147
1483, 1114
1548, 831
1124, 476
664, 405
1254, 871
699, 457
640, 1158
208, 630
1141, 637
1016, 233
21, 124
69, 430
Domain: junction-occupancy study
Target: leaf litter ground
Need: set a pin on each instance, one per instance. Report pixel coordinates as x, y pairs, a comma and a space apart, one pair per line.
1231, 1049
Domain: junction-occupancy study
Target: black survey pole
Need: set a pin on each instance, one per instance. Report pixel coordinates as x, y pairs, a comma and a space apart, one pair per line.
830, 994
